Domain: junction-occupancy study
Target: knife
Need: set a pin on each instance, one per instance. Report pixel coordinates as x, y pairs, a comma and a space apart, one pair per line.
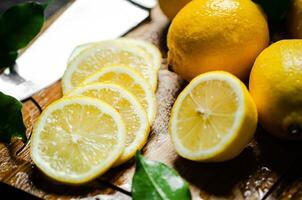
44, 62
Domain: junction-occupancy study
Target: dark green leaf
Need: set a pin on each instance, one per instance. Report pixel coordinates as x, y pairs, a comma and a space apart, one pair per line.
156, 181
7, 58
18, 26
11, 121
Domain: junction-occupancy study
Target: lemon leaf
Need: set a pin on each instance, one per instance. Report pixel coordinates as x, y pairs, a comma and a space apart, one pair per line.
157, 181
18, 26
11, 121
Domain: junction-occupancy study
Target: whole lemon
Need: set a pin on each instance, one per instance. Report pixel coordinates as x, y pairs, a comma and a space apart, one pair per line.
295, 19
276, 87
171, 7
209, 35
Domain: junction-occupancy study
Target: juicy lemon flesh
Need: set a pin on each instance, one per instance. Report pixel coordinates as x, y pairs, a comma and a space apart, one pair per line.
95, 58
127, 81
207, 115
77, 138
124, 107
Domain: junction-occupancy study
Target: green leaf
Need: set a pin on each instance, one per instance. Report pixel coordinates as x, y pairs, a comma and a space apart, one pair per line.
7, 58
18, 26
11, 121
156, 181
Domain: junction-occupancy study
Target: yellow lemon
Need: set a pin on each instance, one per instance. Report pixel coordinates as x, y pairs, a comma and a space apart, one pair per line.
171, 7
276, 86
77, 139
209, 35
295, 19
213, 118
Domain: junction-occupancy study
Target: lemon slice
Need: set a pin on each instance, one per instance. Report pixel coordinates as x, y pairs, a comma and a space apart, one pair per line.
133, 115
213, 119
77, 139
86, 61
145, 46
148, 48
132, 81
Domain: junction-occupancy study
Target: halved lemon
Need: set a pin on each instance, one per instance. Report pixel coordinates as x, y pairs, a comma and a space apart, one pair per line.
133, 114
213, 119
147, 47
132, 81
88, 60
77, 139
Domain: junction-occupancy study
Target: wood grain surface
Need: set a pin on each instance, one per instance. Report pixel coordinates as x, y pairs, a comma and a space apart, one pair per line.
268, 168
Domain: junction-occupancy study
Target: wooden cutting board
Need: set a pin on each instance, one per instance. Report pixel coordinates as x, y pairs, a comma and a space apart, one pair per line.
267, 169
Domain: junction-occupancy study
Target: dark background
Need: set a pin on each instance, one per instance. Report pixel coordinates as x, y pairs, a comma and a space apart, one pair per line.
7, 191
56, 4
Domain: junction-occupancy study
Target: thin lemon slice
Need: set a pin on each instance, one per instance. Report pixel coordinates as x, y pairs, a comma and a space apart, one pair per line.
77, 139
133, 114
213, 119
89, 60
147, 47
132, 81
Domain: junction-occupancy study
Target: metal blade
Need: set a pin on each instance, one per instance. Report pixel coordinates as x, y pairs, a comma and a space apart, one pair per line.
84, 21
146, 3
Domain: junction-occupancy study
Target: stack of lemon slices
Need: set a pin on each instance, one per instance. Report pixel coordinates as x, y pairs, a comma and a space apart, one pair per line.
106, 112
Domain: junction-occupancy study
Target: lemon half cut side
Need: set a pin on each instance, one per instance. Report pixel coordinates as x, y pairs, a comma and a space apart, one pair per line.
213, 119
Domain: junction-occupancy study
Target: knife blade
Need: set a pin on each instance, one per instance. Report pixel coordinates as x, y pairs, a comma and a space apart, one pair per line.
146, 3
44, 62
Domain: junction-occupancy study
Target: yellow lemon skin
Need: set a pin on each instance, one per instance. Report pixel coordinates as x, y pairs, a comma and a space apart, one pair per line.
295, 19
276, 87
208, 35
171, 7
